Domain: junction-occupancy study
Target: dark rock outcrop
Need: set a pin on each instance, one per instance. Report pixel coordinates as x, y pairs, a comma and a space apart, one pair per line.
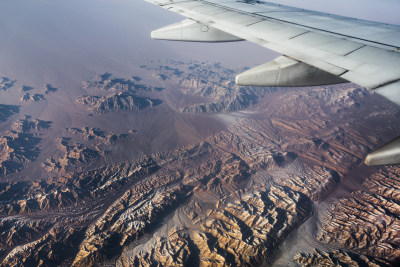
117, 102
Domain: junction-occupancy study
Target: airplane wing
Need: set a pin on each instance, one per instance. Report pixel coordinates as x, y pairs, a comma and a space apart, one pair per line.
317, 48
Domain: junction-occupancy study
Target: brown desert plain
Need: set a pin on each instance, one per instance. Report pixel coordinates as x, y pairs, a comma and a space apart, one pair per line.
175, 165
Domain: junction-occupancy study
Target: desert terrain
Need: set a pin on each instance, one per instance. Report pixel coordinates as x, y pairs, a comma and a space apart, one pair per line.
174, 165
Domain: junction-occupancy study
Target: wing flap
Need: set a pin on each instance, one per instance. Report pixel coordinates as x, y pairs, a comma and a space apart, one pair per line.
379, 57
274, 31
327, 43
237, 18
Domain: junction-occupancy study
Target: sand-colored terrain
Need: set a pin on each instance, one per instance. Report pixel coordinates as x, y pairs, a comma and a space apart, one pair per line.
176, 166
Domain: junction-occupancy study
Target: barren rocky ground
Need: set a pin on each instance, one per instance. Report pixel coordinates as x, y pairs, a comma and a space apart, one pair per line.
177, 166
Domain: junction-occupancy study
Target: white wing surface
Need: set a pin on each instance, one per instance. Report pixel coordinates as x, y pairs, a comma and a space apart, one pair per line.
359, 51
317, 48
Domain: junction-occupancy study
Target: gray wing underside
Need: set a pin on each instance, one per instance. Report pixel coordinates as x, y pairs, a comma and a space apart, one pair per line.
348, 49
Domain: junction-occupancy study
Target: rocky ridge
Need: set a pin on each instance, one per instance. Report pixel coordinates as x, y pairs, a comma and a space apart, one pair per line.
6, 111
123, 101
32, 97
6, 83
336, 258
210, 84
240, 232
368, 222
127, 94
48, 89
107, 82
20, 145
72, 154
28, 125
26, 88
237, 100
90, 133
82, 147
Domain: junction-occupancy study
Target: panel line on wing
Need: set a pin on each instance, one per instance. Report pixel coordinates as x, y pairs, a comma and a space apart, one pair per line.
361, 47
298, 35
388, 83
299, 25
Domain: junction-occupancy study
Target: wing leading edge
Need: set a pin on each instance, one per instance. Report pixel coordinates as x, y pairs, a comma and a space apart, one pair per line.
317, 48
